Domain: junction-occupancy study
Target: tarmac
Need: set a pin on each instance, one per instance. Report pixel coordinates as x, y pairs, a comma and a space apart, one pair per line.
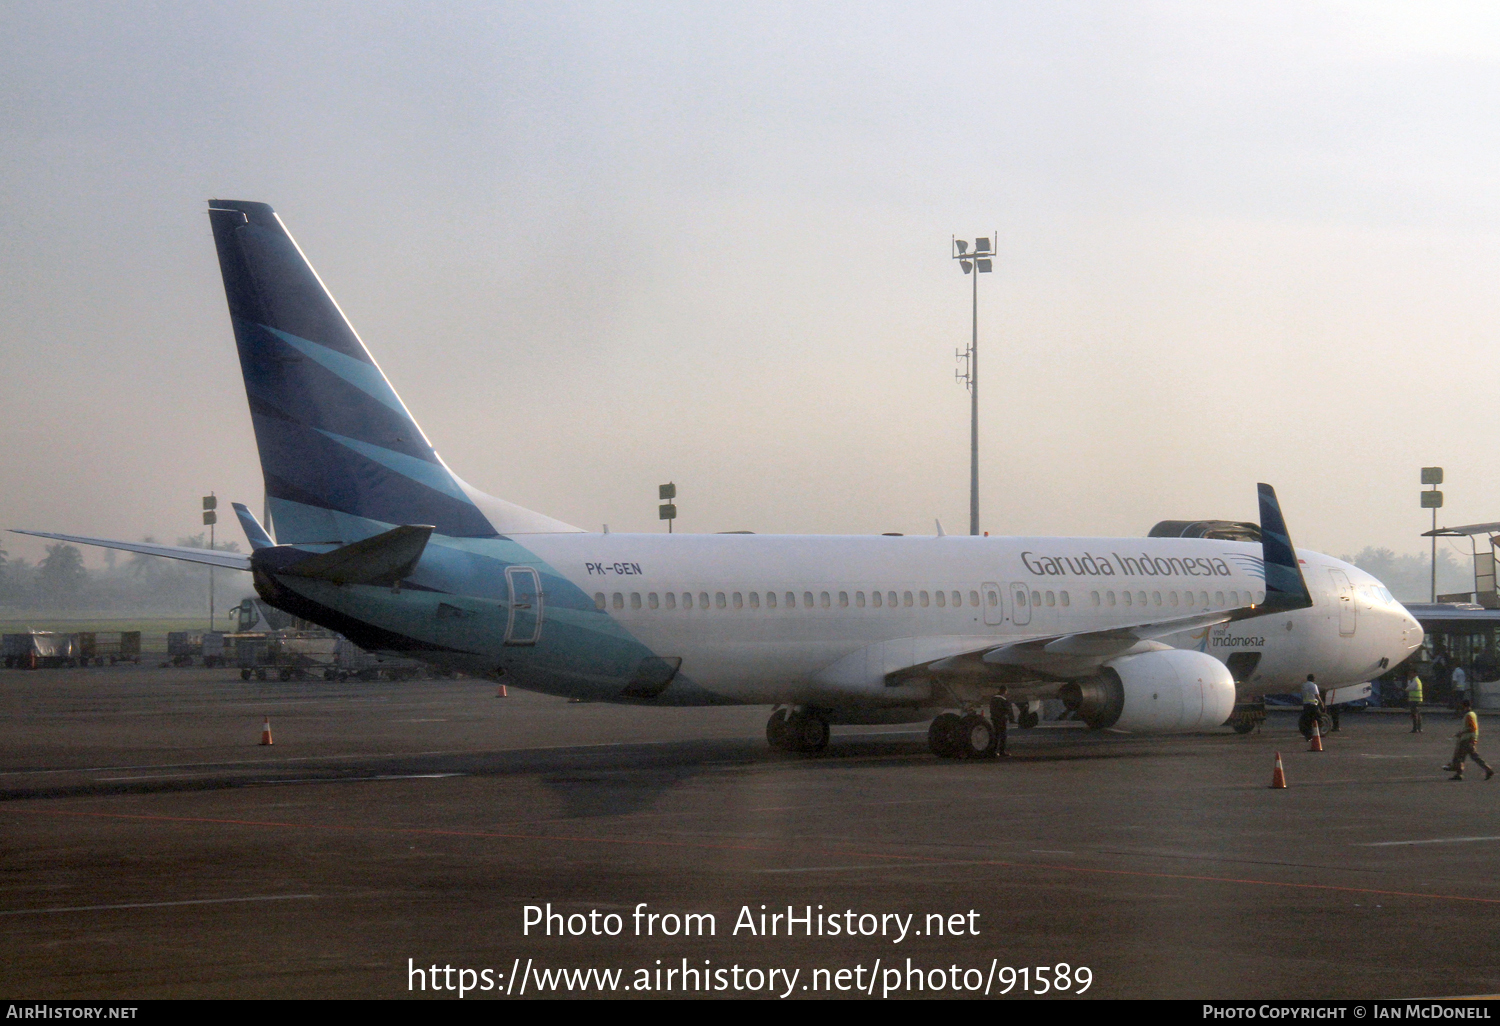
150, 847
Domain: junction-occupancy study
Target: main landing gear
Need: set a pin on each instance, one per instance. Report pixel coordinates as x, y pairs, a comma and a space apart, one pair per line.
797, 730
971, 735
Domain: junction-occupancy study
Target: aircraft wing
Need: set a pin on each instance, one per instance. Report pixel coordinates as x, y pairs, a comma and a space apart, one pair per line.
209, 557
1081, 653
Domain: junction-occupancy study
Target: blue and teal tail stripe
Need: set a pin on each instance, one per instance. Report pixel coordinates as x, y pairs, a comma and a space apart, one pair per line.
341, 454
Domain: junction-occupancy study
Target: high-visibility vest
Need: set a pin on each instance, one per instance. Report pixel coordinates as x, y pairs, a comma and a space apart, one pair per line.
1471, 725
1414, 689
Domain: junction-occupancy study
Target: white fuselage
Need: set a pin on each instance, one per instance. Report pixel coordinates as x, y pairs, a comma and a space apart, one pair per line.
760, 619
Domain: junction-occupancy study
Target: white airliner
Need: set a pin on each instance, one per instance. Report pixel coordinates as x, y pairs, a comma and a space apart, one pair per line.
377, 539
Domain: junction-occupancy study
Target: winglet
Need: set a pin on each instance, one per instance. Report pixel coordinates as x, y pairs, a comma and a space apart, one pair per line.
1285, 587
257, 535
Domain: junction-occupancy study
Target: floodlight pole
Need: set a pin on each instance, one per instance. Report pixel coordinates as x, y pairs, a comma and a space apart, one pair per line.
974, 412
976, 263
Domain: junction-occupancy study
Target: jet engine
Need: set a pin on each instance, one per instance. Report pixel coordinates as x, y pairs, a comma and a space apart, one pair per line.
1160, 692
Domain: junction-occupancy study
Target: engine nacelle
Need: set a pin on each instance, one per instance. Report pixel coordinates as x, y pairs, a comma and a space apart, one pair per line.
1155, 692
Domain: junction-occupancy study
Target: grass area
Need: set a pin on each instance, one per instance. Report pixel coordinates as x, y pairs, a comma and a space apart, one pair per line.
153, 629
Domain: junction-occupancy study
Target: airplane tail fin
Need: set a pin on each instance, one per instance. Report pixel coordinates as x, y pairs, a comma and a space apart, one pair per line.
343, 458
1285, 587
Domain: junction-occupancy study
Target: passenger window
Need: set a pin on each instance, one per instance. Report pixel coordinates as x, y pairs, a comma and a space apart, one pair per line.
703, 600
922, 599
1203, 598
843, 600
942, 600
652, 601
906, 599
671, 600
599, 599
635, 600
618, 601
1051, 599
1173, 596
974, 598
1020, 598
1260, 598
1218, 598
859, 599
1234, 598
687, 600
807, 600
1063, 597
791, 600
890, 599
876, 600
1036, 599
1094, 597
1128, 600
1110, 597
719, 602
739, 601
958, 599
823, 600
755, 600
1156, 595
770, 600
1140, 598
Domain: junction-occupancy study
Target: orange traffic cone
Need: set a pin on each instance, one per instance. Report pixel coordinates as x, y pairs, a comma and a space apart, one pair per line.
1317, 739
502, 693
1278, 775
265, 733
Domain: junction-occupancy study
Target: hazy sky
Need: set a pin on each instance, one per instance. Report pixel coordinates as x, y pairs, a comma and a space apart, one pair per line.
600, 246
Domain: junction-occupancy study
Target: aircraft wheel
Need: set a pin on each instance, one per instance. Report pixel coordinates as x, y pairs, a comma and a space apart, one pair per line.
777, 732
974, 738
1243, 725
809, 733
941, 735
286, 673
1028, 719
245, 673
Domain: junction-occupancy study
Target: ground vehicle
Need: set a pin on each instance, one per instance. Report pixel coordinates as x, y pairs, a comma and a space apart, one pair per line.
183, 646
37, 649
111, 646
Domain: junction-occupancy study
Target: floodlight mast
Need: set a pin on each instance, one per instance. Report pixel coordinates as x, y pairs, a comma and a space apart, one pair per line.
976, 264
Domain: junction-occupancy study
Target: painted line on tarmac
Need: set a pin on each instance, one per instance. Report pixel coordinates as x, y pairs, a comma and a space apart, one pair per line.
152, 904
865, 869
1431, 840
355, 780
360, 755
915, 860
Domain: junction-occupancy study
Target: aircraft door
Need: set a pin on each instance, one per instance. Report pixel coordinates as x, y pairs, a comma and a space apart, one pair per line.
1020, 604
1348, 613
525, 624
994, 605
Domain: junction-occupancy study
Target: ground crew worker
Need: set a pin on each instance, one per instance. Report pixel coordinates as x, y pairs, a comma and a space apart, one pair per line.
1333, 714
1414, 699
1468, 739
1312, 706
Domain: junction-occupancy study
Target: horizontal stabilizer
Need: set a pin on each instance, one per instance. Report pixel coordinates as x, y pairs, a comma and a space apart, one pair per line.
209, 557
256, 534
381, 560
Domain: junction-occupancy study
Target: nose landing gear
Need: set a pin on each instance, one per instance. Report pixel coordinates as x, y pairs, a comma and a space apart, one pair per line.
797, 730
